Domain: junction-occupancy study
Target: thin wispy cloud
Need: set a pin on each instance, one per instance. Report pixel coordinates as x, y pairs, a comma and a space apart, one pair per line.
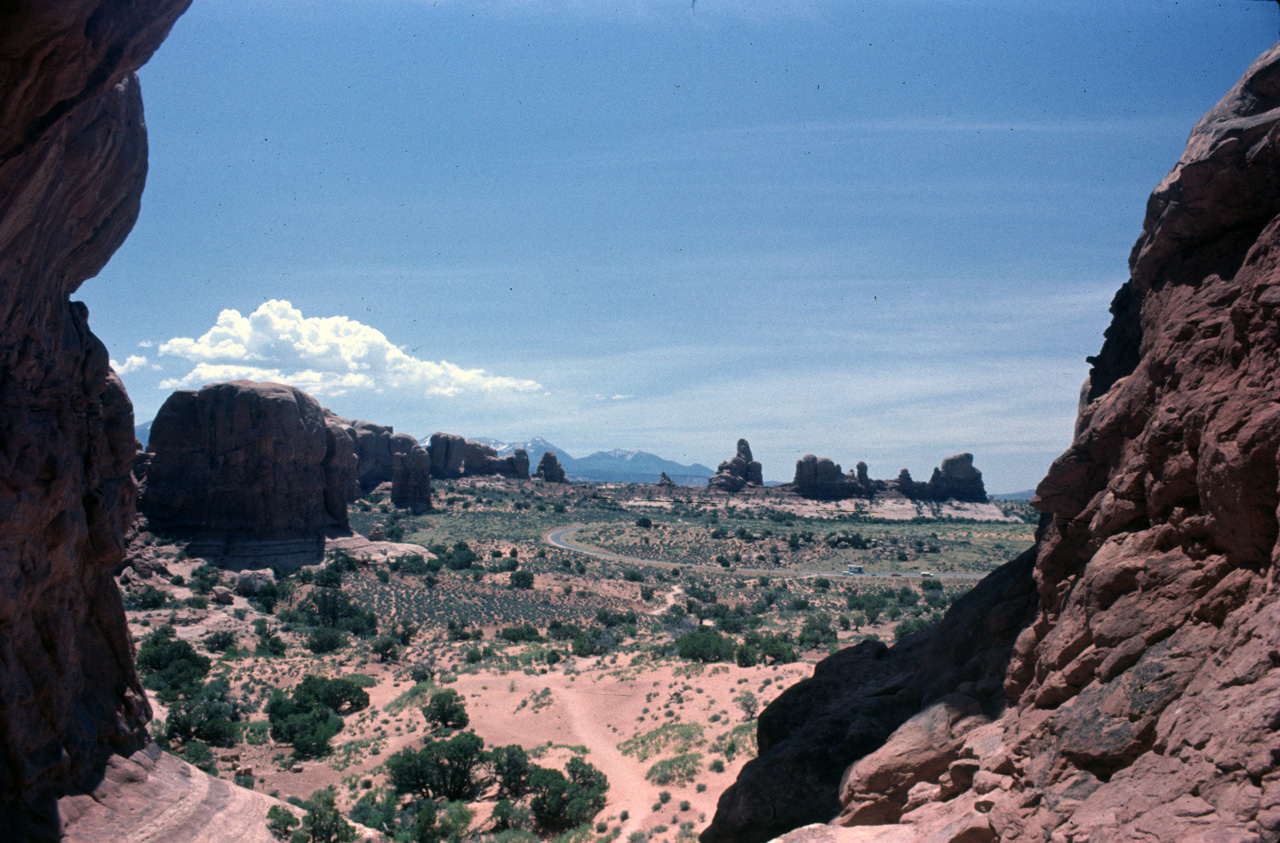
327, 356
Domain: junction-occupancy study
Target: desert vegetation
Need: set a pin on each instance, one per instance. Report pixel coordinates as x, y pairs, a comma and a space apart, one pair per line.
495, 685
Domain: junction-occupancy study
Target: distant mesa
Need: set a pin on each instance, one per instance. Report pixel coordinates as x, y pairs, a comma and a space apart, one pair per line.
549, 468
738, 473
956, 479
254, 471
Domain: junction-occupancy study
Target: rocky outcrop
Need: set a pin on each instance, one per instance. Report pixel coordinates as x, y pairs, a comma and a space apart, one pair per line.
252, 472
956, 480
515, 464
1138, 700
549, 468
736, 474
453, 456
820, 478
446, 451
72, 166
411, 481
373, 449
665, 480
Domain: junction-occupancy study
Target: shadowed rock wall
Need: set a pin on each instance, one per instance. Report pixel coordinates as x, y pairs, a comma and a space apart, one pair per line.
252, 473
1140, 696
72, 165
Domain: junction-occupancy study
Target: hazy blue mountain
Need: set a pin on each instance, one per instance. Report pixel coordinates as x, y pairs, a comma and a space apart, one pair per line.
1015, 496
616, 466
143, 432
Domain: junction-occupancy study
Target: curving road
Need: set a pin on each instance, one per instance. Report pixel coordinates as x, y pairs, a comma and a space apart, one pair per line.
560, 538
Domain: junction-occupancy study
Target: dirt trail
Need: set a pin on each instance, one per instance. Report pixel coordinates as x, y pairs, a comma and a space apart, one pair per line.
581, 705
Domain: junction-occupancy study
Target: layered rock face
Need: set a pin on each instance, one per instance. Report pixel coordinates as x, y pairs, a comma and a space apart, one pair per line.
1138, 701
257, 470
736, 474
549, 468
72, 166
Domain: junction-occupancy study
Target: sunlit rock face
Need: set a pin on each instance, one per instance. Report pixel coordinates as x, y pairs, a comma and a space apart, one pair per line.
73, 159
1120, 681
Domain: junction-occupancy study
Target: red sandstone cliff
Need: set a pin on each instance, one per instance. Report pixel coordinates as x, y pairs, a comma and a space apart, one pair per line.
73, 158
1120, 681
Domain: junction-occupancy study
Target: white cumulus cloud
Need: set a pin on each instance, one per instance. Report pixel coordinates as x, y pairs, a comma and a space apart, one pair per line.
132, 363
328, 355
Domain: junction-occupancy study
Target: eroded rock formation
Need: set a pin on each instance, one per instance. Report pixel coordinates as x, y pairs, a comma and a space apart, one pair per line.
736, 474
453, 456
549, 468
411, 481
373, 448
956, 479
1120, 681
251, 471
72, 166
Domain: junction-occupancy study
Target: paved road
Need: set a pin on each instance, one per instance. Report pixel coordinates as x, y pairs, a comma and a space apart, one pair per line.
561, 539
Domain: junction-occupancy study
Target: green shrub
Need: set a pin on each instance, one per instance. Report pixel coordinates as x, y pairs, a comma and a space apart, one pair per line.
566, 800
209, 716
511, 768
323, 823
706, 645
441, 769
170, 666
281, 822
220, 641
326, 640
447, 709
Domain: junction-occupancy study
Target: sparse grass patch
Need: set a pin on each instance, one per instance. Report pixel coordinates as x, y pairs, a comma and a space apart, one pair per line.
680, 737
682, 769
416, 696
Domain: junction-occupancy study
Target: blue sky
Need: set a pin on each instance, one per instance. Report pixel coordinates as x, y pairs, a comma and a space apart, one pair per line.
883, 231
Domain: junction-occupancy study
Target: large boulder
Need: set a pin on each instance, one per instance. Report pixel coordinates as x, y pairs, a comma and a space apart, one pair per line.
1128, 662
250, 470
736, 474
73, 159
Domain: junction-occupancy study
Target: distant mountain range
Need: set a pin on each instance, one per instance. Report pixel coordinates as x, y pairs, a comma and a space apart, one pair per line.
143, 432
616, 466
